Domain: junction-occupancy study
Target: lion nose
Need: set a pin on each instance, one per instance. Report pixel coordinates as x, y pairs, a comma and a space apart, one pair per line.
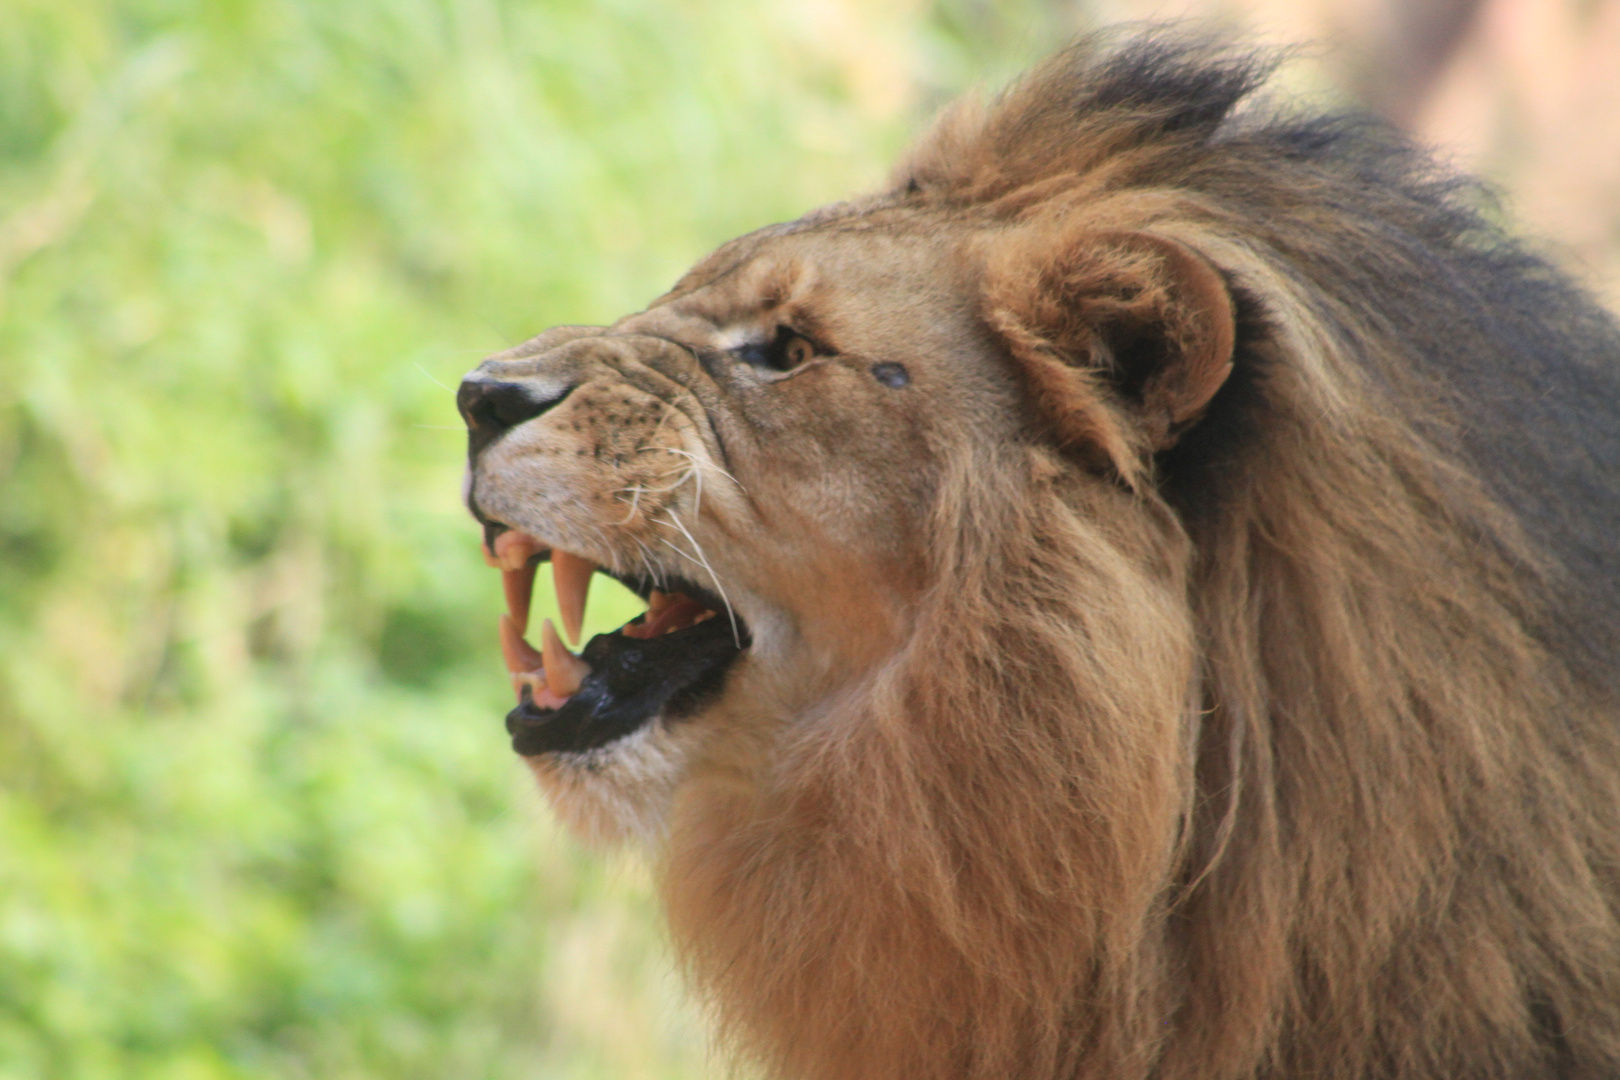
493, 408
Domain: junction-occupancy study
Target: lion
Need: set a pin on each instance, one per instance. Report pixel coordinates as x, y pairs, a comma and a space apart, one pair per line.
1136, 597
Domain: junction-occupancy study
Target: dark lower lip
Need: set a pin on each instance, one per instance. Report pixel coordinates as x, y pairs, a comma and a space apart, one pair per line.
632, 682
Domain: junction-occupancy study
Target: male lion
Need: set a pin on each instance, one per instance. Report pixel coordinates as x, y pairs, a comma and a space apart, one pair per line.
1135, 598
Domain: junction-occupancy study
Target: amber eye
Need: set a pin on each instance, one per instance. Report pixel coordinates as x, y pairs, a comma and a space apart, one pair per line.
797, 351
784, 352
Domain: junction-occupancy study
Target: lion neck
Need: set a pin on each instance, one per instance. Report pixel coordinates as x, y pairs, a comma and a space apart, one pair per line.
950, 827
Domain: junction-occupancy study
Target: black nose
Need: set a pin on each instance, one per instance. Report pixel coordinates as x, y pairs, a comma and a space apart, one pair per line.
493, 408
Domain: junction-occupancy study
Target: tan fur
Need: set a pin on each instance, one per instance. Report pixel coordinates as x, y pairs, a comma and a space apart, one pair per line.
1041, 766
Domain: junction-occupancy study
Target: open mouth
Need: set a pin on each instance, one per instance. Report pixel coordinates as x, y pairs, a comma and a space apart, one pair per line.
667, 661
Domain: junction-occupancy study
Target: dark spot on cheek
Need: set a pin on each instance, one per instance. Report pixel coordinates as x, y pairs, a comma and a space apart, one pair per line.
892, 375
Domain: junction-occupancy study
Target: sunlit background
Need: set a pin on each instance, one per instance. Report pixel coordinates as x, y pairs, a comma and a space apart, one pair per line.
258, 817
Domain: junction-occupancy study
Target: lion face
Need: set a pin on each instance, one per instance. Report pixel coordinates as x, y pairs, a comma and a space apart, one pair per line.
759, 455
755, 454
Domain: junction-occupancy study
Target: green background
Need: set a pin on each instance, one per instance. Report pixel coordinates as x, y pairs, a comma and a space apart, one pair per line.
258, 817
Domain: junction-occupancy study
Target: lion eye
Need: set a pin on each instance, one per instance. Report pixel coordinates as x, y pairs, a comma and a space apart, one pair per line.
784, 352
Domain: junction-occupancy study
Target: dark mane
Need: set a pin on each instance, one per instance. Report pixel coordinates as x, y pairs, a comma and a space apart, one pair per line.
1493, 353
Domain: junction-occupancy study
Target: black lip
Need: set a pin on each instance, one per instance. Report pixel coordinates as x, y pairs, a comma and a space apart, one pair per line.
632, 681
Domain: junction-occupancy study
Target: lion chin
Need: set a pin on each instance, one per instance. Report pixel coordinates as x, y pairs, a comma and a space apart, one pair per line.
1135, 598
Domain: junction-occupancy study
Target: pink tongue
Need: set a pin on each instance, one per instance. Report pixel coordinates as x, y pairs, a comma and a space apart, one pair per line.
676, 609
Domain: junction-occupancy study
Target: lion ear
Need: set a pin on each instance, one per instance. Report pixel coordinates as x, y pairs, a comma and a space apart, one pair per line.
1124, 337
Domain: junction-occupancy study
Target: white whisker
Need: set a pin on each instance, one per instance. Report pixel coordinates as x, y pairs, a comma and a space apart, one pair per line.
647, 561
635, 501
700, 462
703, 561
431, 379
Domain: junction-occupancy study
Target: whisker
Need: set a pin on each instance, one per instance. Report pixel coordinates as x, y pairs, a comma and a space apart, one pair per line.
640, 489
703, 561
431, 379
669, 411
647, 560
702, 463
635, 501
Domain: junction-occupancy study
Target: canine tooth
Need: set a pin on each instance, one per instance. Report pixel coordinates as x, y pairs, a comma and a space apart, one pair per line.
521, 657
542, 695
514, 549
535, 681
564, 670
519, 588
571, 576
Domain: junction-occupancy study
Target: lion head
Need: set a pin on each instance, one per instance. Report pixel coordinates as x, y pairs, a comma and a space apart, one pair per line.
1092, 627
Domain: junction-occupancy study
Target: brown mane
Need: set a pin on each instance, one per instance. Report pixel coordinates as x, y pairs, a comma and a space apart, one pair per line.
1377, 834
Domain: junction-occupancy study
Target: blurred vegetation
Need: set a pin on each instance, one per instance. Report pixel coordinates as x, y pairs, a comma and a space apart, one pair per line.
258, 817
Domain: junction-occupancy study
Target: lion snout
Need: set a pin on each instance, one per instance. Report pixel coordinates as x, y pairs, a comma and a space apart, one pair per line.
492, 407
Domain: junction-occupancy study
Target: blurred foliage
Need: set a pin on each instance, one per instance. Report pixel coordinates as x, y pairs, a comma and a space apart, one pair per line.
257, 813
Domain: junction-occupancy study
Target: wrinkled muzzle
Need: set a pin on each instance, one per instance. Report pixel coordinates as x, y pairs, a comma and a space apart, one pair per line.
576, 445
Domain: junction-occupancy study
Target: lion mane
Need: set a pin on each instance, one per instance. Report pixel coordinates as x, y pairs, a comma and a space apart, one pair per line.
1255, 711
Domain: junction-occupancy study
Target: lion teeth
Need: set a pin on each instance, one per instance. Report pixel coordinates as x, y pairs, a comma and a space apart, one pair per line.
571, 577
514, 549
514, 552
539, 693
564, 670
532, 681
521, 657
519, 588
550, 674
